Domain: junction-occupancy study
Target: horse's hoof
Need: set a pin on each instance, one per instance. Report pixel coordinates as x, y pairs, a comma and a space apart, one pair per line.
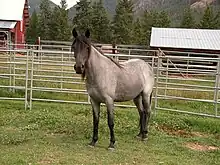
144, 139
138, 137
141, 138
111, 148
91, 145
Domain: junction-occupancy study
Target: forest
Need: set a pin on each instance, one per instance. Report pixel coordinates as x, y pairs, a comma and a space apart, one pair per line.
53, 23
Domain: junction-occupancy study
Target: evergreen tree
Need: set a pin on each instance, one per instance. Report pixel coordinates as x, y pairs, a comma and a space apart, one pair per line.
153, 19
209, 21
59, 23
188, 20
138, 33
163, 20
123, 22
44, 19
217, 20
101, 28
63, 4
83, 18
32, 30
149, 19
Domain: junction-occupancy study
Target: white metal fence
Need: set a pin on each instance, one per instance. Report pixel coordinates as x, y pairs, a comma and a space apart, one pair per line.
186, 84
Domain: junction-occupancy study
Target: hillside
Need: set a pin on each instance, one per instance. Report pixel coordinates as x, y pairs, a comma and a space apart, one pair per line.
109, 5
173, 7
34, 5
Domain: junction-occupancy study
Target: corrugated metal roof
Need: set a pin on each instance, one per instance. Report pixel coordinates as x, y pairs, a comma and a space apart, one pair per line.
7, 24
11, 9
207, 39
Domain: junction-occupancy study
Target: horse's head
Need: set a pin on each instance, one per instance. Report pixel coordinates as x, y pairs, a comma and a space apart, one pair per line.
81, 47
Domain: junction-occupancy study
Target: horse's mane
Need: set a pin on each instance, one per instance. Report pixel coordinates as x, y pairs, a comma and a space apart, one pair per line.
113, 60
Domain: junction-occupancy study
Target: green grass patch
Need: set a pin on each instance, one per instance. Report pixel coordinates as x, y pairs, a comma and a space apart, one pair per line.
58, 134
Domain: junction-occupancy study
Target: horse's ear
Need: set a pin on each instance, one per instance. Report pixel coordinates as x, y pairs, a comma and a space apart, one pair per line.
87, 33
74, 32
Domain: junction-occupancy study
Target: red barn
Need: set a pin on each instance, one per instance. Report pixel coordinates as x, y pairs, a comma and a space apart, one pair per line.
14, 19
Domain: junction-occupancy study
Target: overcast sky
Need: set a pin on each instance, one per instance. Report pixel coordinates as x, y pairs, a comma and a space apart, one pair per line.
69, 2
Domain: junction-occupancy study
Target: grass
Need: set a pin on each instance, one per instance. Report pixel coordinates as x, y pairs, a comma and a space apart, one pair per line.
58, 134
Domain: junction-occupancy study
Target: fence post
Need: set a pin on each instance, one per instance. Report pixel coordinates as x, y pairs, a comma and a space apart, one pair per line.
153, 62
41, 54
10, 72
13, 72
167, 68
217, 81
160, 61
157, 81
129, 53
32, 75
26, 81
187, 70
61, 84
88, 98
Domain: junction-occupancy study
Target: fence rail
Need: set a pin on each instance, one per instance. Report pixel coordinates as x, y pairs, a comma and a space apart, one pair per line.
185, 84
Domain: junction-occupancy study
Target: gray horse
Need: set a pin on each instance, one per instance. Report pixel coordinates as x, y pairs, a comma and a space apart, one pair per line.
108, 81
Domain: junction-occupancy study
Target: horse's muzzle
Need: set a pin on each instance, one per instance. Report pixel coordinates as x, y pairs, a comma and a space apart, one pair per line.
78, 70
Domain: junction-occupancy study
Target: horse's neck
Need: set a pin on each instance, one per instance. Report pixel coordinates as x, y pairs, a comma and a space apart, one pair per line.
95, 64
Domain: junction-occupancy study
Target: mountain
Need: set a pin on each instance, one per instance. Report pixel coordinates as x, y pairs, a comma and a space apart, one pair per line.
35, 5
174, 8
109, 5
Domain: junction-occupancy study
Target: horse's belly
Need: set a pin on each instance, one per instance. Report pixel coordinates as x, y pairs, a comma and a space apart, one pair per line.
127, 93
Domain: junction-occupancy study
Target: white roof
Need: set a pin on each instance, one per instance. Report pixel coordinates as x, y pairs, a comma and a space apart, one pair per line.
7, 24
11, 9
207, 39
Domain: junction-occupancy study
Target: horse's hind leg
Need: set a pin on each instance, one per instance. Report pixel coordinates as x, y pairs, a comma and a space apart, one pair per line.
146, 100
139, 105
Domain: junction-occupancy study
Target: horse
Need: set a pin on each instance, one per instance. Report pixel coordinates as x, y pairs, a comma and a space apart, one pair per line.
108, 81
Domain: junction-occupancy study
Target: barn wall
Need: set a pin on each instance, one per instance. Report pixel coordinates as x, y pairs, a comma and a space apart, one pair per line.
19, 34
189, 50
21, 27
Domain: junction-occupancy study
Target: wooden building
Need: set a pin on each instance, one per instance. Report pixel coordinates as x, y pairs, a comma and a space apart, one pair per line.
14, 19
194, 42
186, 40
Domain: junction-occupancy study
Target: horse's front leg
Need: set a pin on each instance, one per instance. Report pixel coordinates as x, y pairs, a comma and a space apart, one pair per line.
110, 112
96, 114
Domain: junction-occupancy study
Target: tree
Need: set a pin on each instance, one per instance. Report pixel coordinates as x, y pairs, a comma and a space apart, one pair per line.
44, 19
32, 30
153, 19
163, 20
217, 19
188, 20
148, 20
209, 21
63, 4
101, 27
59, 23
123, 22
138, 33
83, 18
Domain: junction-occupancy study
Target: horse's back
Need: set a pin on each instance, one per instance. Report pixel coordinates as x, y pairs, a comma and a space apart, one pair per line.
139, 67
135, 76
